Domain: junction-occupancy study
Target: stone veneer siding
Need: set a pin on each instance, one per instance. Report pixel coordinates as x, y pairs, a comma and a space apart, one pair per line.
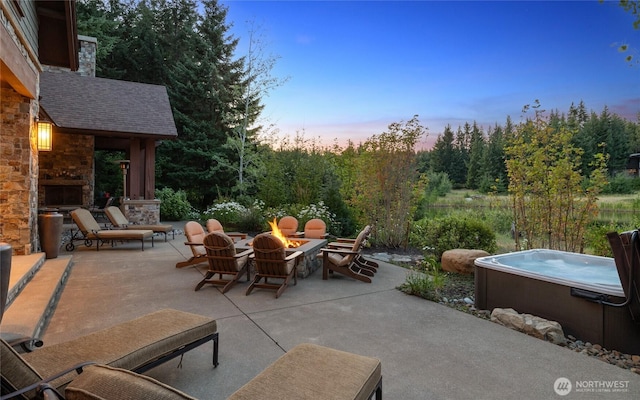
141, 212
18, 172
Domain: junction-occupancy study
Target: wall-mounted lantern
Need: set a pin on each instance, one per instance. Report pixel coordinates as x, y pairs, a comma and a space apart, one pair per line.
45, 135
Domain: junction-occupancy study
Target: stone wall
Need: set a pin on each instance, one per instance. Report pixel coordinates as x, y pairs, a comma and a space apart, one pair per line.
18, 172
141, 212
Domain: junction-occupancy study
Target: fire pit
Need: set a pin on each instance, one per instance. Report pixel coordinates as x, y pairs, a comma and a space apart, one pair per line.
310, 248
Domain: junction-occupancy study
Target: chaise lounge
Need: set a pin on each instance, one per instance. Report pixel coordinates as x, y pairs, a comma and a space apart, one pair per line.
91, 230
119, 221
306, 372
167, 334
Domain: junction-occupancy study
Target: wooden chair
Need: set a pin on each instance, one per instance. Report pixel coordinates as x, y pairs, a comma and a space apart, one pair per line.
213, 225
315, 229
288, 226
195, 235
224, 260
344, 261
344, 243
272, 262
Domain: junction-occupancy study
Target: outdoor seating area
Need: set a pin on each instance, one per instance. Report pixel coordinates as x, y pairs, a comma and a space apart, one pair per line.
344, 315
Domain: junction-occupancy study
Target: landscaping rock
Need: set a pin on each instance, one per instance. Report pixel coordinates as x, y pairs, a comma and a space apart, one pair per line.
461, 260
529, 324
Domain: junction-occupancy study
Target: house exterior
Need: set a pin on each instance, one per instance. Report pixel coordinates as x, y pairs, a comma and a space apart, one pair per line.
47, 72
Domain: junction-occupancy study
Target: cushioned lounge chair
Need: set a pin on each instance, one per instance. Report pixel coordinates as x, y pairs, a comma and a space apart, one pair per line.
119, 221
91, 230
223, 260
195, 235
273, 262
137, 345
306, 372
344, 261
213, 225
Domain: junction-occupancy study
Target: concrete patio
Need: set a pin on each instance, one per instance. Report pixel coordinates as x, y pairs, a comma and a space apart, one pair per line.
428, 351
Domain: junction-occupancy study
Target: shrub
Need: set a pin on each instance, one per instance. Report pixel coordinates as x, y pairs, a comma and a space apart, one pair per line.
596, 237
622, 184
174, 206
320, 211
253, 219
435, 236
425, 280
228, 213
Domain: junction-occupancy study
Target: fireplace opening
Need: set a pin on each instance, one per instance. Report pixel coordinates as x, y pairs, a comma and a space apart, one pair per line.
63, 195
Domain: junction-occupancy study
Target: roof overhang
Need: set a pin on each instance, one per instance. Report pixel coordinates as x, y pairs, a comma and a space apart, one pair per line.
106, 107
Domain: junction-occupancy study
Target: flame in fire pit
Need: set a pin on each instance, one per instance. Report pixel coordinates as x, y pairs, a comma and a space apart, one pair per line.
275, 231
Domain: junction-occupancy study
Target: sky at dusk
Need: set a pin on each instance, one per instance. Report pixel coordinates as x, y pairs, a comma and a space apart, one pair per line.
354, 67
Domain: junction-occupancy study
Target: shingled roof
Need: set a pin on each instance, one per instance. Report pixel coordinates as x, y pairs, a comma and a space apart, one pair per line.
108, 107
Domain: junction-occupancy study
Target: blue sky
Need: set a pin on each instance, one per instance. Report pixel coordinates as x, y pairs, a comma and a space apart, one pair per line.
356, 66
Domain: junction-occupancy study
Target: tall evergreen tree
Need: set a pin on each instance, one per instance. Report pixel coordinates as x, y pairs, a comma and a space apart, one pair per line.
443, 152
476, 151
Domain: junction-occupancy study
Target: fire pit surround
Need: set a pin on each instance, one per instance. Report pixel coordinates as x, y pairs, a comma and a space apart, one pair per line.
310, 248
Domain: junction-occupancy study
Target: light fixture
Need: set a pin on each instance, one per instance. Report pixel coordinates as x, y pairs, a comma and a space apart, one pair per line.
45, 135
124, 166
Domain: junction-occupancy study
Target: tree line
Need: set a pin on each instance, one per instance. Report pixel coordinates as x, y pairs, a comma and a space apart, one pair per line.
476, 159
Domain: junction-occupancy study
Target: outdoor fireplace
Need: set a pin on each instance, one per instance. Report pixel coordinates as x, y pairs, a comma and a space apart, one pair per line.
63, 195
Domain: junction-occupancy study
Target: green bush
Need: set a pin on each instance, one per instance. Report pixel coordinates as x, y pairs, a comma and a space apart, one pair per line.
228, 213
435, 236
174, 206
622, 184
253, 219
596, 240
425, 280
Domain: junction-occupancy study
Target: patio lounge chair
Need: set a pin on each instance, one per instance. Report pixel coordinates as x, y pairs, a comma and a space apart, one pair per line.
306, 372
272, 262
119, 221
90, 230
213, 225
315, 229
167, 334
344, 261
224, 260
195, 235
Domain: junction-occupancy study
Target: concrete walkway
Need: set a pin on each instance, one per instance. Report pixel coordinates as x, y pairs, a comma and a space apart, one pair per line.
428, 351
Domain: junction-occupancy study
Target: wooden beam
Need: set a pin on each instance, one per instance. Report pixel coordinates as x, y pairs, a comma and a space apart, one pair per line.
150, 169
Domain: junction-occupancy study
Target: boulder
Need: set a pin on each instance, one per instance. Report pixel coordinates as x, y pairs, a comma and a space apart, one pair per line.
461, 260
541, 328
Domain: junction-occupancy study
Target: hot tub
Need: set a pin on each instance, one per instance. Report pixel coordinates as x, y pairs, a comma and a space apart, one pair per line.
562, 287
